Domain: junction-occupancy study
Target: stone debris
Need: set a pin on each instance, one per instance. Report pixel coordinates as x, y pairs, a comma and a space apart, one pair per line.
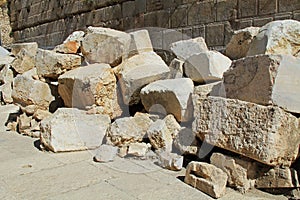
206, 67
104, 45
70, 129
277, 37
171, 161
176, 69
240, 42
106, 153
138, 149
183, 49
265, 80
186, 142
206, 178
140, 42
264, 133
173, 96
71, 44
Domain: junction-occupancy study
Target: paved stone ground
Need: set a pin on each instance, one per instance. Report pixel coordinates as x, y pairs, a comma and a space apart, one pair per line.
28, 173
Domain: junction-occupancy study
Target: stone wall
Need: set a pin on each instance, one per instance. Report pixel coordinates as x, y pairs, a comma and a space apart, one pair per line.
49, 22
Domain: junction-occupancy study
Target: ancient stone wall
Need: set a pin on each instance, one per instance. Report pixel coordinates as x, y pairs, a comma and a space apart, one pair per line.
49, 22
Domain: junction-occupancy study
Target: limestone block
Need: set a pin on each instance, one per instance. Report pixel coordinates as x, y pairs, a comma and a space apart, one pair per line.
206, 67
138, 71
171, 161
206, 178
186, 142
176, 69
265, 79
51, 64
71, 44
89, 85
30, 47
174, 95
104, 45
70, 129
264, 133
140, 42
277, 37
183, 49
127, 130
240, 42
138, 149
106, 153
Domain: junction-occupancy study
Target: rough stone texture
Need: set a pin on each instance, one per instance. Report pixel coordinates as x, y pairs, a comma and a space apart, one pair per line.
6, 74
172, 125
51, 64
186, 142
176, 69
138, 71
171, 161
6, 92
104, 45
159, 135
71, 44
27, 91
173, 96
140, 42
266, 134
206, 67
24, 61
265, 79
106, 153
278, 178
41, 114
30, 47
138, 149
185, 48
237, 174
206, 178
205, 90
89, 85
128, 130
278, 37
240, 42
70, 129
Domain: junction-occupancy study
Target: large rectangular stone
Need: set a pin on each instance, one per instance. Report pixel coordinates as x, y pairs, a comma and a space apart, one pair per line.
226, 10
247, 8
202, 12
290, 5
267, 7
264, 133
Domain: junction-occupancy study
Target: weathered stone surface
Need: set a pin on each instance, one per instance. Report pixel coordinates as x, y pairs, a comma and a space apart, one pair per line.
138, 149
176, 69
89, 85
71, 44
24, 61
51, 64
41, 114
174, 95
160, 136
186, 142
138, 71
30, 47
240, 42
277, 37
104, 45
70, 129
265, 79
205, 90
266, 134
106, 153
172, 125
171, 161
206, 178
237, 174
183, 49
129, 130
278, 178
27, 91
140, 42
206, 67
6, 92
6, 74
24, 122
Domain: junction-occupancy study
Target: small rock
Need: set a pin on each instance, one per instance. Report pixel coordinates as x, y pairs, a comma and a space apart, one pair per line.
138, 149
41, 114
176, 69
71, 44
106, 153
170, 161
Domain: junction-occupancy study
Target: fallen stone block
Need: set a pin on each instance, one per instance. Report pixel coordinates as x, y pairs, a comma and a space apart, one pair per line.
265, 80
206, 178
30, 47
71, 44
50, 64
39, 115
186, 142
6, 74
6, 93
70, 129
171, 161
94, 84
104, 45
138, 71
106, 153
264, 133
174, 96
277, 37
208, 90
138, 149
183, 49
27, 91
140, 42
127, 130
206, 67
176, 69
278, 178
240, 42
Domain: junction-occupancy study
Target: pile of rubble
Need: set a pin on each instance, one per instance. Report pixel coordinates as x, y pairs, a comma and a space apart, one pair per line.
108, 90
